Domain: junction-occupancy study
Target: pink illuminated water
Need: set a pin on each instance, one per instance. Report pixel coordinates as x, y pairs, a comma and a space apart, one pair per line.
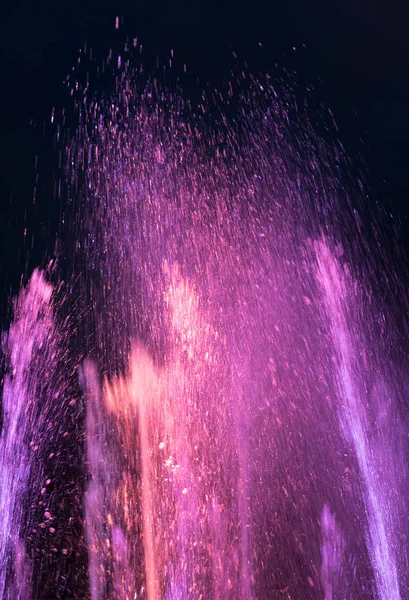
211, 405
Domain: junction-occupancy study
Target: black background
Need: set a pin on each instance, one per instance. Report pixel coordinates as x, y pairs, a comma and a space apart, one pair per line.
354, 52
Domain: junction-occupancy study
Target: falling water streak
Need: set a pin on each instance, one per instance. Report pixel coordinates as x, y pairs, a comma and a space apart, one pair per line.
28, 334
23, 573
245, 578
243, 502
142, 376
354, 422
147, 506
94, 496
332, 549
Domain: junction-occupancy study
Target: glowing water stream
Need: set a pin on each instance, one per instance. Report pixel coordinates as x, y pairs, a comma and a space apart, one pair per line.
211, 394
337, 287
26, 345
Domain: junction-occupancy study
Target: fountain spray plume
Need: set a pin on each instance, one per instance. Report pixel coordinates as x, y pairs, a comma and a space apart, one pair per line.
215, 424
27, 347
340, 303
39, 449
195, 239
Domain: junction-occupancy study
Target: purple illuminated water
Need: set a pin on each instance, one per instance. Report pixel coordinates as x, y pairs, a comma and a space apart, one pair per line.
230, 420
28, 337
380, 510
332, 550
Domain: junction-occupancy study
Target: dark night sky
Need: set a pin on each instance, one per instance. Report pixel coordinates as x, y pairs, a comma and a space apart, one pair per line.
356, 55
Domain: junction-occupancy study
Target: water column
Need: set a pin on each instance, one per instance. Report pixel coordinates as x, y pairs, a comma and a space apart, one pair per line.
337, 288
20, 457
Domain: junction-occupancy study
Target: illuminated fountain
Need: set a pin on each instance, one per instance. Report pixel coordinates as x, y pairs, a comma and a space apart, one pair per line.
234, 402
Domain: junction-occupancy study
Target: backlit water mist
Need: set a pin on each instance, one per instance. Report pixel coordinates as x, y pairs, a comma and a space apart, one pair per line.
211, 402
